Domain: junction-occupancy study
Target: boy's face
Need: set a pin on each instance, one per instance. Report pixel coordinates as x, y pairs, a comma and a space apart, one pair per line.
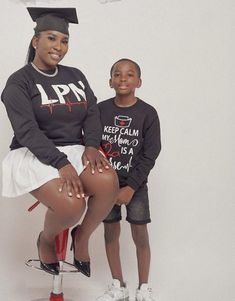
125, 78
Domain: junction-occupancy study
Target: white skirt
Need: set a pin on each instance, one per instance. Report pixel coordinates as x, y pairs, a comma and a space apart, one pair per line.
22, 172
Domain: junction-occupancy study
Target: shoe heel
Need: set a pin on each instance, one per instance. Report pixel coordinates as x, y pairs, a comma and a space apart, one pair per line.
73, 238
82, 266
52, 268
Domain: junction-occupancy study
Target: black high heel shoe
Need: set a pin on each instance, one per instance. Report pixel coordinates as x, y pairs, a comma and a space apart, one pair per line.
52, 268
82, 266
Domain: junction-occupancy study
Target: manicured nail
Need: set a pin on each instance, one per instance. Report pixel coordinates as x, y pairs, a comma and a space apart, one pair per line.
60, 189
70, 194
83, 195
78, 196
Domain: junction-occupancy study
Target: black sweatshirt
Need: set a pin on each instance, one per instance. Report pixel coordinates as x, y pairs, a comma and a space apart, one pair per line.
46, 112
130, 140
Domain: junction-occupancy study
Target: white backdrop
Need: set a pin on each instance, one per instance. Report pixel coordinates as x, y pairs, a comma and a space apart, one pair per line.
186, 51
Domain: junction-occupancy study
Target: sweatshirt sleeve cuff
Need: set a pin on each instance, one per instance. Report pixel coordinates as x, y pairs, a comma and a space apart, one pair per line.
62, 163
132, 183
93, 144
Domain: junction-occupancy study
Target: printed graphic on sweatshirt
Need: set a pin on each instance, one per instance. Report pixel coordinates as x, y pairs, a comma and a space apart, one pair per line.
119, 142
62, 92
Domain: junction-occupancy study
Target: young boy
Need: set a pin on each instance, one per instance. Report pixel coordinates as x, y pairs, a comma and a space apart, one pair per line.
131, 142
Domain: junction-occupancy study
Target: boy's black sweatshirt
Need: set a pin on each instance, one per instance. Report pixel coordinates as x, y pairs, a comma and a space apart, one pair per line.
130, 140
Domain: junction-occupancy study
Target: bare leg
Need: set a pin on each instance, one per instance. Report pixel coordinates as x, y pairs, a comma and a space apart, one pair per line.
103, 189
63, 212
141, 240
112, 246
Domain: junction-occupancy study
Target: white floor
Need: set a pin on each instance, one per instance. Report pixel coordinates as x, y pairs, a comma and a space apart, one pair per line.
37, 286
182, 271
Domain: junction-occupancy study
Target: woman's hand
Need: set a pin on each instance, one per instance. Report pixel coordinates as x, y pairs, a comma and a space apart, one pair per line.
95, 159
71, 180
125, 195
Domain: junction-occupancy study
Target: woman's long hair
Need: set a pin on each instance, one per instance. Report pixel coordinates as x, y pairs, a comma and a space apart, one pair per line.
31, 51
30, 54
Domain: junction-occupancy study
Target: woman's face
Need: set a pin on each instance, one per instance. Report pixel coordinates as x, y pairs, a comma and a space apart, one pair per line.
50, 48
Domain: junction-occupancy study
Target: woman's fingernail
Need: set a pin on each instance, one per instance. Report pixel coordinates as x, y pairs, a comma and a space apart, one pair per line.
78, 196
70, 194
83, 195
60, 189
100, 170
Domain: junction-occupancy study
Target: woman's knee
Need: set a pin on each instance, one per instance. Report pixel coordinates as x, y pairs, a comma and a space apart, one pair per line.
71, 208
105, 183
108, 183
60, 203
110, 176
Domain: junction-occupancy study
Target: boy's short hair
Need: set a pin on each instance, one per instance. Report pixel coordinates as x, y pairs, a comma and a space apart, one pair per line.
128, 60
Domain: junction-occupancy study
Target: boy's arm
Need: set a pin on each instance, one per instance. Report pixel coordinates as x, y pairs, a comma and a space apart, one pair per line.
150, 152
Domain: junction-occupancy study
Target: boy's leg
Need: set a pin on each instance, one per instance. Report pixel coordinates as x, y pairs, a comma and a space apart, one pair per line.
141, 240
117, 291
138, 215
112, 246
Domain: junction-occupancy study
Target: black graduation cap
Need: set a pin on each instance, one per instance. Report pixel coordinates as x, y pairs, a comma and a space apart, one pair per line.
53, 18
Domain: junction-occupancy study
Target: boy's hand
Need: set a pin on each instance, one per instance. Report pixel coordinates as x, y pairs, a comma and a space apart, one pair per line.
125, 195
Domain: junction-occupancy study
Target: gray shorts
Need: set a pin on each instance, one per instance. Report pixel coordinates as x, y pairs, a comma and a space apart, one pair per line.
137, 211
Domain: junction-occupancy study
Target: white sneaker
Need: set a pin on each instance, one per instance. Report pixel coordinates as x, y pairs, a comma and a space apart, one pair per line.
115, 293
144, 293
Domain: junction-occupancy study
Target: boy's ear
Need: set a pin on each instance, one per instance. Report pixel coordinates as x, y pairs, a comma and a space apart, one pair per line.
140, 83
110, 83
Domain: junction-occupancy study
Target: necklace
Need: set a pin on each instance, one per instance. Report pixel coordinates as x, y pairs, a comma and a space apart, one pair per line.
43, 73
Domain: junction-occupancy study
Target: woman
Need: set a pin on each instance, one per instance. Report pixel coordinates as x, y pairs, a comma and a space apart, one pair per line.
54, 152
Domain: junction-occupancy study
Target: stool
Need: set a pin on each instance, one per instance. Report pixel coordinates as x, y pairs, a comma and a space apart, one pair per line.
65, 267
